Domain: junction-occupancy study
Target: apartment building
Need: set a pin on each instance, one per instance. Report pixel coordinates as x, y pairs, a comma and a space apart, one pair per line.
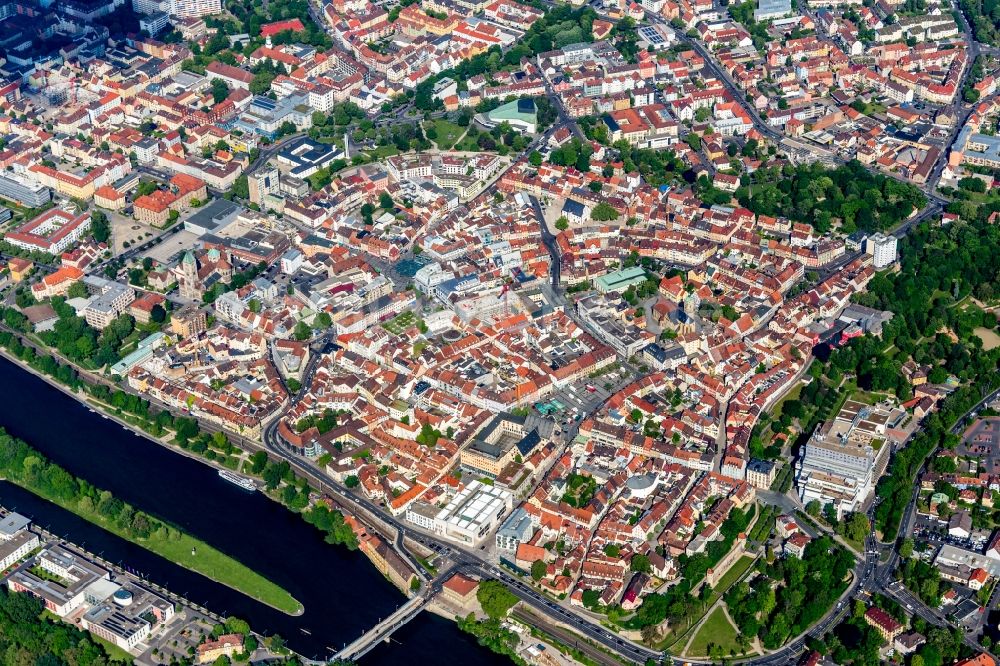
110, 300
54, 231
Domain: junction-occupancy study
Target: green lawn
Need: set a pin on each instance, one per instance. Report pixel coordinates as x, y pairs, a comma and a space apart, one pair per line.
467, 144
447, 132
676, 641
715, 630
873, 108
734, 573
401, 322
190, 553
383, 151
791, 395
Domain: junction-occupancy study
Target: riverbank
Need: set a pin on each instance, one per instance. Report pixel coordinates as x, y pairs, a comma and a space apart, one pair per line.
155, 429
135, 425
27, 468
175, 544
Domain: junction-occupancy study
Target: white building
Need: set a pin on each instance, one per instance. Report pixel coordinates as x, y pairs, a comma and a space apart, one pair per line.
178, 8
430, 276
844, 458
15, 539
772, 9
154, 23
195, 8
63, 591
126, 616
109, 301
882, 248
473, 513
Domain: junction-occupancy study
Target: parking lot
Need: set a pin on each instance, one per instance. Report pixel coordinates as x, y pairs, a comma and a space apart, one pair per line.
176, 641
935, 531
170, 248
574, 402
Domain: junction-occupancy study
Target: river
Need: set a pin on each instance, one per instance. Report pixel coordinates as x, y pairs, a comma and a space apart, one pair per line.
341, 591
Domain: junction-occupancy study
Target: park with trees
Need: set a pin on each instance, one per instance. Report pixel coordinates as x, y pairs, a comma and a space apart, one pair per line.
29, 635
817, 195
496, 600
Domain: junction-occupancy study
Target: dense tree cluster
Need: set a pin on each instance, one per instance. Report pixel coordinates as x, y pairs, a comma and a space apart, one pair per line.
494, 597
743, 13
573, 153
941, 267
43, 363
29, 637
100, 227
790, 594
72, 336
29, 468
324, 422
332, 524
923, 579
814, 194
984, 17
657, 167
492, 635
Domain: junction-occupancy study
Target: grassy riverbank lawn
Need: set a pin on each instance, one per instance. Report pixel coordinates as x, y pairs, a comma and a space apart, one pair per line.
190, 553
196, 555
170, 543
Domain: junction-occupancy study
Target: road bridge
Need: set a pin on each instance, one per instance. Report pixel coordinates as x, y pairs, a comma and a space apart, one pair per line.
385, 628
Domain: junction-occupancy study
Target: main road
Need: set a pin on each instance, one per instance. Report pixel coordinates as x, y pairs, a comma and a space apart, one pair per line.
471, 562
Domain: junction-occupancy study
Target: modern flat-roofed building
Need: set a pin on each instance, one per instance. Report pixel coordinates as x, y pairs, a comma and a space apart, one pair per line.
188, 321
12, 550
473, 513
882, 248
59, 577
265, 116
844, 457
212, 218
12, 524
517, 529
262, 183
305, 157
127, 616
772, 9
110, 300
154, 23
195, 8
16, 541
23, 191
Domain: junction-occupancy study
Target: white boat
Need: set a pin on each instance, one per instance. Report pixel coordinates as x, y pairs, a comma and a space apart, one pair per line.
241, 481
